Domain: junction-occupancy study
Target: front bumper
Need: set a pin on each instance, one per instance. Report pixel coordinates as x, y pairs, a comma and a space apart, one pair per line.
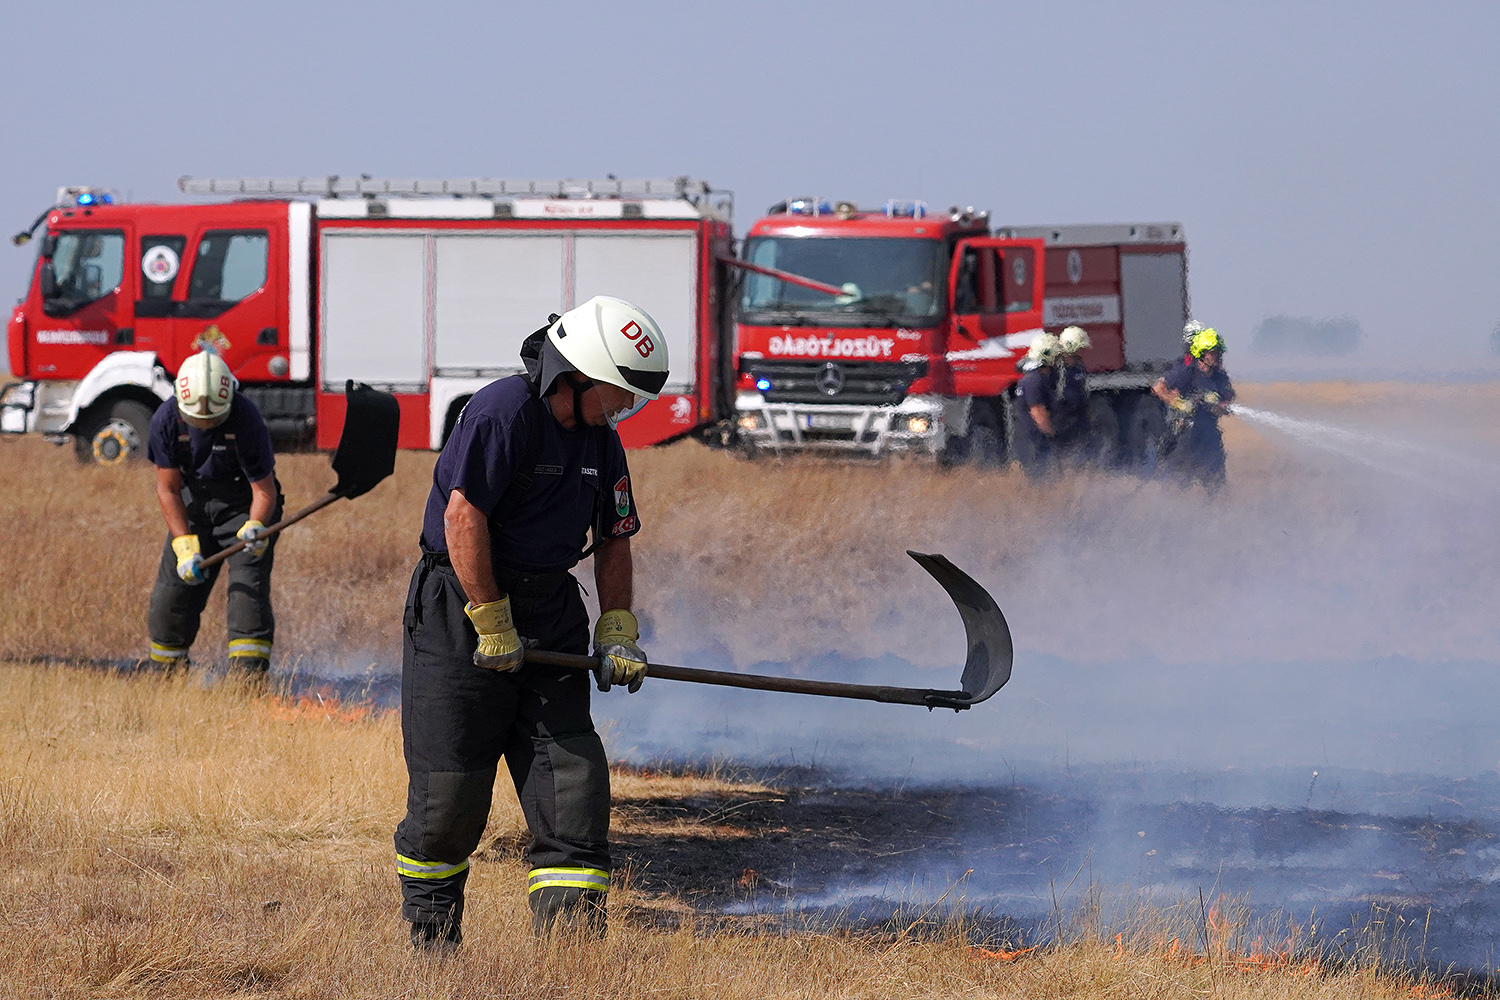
917, 425
16, 407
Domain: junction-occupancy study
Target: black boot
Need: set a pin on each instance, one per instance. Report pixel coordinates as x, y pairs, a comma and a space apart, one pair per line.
561, 907
436, 939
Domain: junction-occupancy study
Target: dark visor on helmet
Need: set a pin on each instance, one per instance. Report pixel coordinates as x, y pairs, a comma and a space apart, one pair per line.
641, 381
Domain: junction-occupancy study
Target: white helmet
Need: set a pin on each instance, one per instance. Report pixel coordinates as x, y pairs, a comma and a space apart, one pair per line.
1072, 340
1043, 351
1191, 329
205, 389
609, 340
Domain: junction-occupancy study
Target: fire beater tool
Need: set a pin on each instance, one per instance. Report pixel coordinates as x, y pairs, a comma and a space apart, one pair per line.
366, 454
986, 669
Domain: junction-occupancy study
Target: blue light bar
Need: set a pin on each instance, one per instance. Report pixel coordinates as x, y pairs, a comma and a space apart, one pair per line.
905, 209
85, 199
809, 206
763, 384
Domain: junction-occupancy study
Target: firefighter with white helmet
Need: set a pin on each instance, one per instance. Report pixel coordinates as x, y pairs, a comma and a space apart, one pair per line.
1197, 393
1051, 401
216, 483
533, 467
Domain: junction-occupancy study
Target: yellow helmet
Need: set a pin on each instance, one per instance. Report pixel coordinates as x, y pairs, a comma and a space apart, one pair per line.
1205, 341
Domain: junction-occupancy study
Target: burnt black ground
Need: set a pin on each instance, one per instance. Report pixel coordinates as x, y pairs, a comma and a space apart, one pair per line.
1417, 887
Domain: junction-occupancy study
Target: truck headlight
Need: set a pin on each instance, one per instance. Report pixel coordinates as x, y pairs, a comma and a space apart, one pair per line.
749, 422
918, 424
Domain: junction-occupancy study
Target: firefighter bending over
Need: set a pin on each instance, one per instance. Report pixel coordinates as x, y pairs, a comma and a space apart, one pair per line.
216, 482
533, 465
1197, 393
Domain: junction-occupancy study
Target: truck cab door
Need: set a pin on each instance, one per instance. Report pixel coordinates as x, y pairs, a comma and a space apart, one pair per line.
80, 300
233, 300
995, 289
162, 279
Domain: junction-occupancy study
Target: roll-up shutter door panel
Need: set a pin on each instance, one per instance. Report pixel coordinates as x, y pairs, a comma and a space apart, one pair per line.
657, 273
492, 291
1152, 287
373, 310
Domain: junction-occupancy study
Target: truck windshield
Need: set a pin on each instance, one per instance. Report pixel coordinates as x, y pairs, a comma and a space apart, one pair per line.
899, 280
88, 265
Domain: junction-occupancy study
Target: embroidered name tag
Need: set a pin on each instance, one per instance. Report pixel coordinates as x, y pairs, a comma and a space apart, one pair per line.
548, 470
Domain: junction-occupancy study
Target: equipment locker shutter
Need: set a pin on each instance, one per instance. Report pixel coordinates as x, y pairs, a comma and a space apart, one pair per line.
374, 311
492, 290
1152, 287
659, 273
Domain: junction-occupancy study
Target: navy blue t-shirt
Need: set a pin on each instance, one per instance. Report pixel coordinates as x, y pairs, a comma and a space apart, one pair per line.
239, 448
1071, 400
1192, 382
580, 480
1038, 387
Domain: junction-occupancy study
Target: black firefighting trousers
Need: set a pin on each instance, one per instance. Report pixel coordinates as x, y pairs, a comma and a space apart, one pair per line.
1199, 454
215, 512
458, 720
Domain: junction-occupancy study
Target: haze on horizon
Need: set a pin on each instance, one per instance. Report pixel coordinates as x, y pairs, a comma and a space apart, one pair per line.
1328, 162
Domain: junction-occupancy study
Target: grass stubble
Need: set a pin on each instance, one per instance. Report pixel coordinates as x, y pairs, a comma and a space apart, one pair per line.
170, 838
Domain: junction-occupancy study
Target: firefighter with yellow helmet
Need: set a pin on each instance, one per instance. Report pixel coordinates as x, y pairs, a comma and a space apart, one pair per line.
533, 468
216, 484
1197, 393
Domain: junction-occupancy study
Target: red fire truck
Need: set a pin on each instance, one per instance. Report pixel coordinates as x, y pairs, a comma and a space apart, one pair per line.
423, 288
901, 330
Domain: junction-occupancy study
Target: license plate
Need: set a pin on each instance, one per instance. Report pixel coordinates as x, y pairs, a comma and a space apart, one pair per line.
827, 422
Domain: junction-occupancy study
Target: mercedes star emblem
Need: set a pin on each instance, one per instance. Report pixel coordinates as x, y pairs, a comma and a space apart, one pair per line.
831, 379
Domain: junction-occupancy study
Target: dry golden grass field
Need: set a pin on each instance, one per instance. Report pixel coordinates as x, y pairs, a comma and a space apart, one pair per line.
172, 838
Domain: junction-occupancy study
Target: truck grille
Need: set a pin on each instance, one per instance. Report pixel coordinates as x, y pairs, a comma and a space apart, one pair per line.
866, 383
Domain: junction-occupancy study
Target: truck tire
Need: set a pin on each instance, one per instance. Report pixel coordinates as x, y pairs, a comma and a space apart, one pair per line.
1104, 449
983, 445
114, 435
1143, 430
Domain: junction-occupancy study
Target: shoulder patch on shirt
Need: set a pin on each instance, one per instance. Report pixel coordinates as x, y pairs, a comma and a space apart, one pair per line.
628, 524
622, 500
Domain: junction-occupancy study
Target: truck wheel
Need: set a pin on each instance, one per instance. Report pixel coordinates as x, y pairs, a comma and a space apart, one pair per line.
1104, 432
983, 445
1143, 430
115, 435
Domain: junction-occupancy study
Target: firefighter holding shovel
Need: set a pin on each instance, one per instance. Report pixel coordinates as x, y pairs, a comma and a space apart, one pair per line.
533, 466
216, 483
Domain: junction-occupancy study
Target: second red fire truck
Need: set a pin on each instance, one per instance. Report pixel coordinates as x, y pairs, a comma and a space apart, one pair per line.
900, 330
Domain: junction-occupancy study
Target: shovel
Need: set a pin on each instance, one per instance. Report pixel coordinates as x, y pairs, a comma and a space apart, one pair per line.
366, 454
985, 671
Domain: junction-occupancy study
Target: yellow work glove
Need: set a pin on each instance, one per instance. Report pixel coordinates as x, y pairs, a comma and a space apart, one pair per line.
1182, 404
1211, 398
248, 533
499, 643
189, 558
620, 659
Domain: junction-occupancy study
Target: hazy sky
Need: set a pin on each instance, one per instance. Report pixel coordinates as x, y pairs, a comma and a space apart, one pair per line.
1327, 159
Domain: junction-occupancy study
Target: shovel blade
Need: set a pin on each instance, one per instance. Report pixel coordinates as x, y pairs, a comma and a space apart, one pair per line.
367, 447
991, 652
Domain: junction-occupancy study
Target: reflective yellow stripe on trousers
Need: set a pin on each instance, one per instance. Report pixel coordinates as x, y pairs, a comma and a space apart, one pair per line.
568, 878
167, 654
412, 868
250, 647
